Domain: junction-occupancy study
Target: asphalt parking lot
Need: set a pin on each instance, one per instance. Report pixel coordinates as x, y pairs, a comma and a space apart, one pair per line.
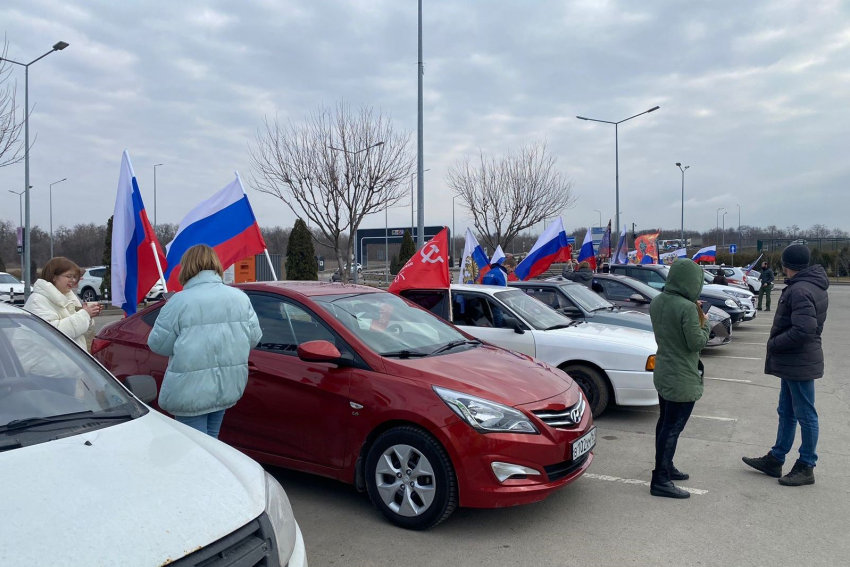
735, 516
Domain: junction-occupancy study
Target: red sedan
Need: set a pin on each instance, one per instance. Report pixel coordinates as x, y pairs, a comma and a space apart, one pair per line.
356, 384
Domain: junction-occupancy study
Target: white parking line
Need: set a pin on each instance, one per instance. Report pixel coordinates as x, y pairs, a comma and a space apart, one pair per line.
697, 491
731, 380
711, 417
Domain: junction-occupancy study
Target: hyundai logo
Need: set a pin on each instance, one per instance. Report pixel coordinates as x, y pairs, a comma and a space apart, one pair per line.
575, 415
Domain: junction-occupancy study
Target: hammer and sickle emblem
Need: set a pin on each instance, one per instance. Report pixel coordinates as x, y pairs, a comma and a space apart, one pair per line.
432, 249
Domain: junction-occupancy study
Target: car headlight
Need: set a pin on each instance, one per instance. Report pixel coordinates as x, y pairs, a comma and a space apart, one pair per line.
486, 416
715, 316
731, 303
279, 511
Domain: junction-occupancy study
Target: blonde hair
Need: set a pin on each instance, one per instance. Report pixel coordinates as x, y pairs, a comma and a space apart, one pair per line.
196, 260
584, 264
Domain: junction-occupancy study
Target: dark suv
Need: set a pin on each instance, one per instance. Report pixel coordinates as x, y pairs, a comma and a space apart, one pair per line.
655, 276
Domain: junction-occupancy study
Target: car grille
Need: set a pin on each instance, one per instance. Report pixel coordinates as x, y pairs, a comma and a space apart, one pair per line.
253, 545
727, 322
561, 470
569, 417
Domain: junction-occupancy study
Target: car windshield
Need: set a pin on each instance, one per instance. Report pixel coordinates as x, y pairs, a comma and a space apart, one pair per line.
44, 375
641, 287
534, 312
389, 325
8, 279
586, 299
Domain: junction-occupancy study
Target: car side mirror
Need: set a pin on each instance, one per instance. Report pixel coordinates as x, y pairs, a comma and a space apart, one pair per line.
143, 387
571, 311
518, 330
638, 298
318, 351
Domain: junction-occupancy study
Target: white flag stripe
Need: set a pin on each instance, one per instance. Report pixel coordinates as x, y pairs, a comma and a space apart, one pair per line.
123, 226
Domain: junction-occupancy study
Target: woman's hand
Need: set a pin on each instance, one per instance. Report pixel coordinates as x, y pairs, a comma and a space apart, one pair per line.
92, 309
702, 317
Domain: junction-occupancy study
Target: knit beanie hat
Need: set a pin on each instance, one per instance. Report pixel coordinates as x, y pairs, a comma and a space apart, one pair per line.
796, 257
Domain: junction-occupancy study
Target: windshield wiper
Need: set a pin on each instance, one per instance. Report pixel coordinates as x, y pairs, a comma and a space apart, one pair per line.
454, 344
28, 422
560, 326
404, 354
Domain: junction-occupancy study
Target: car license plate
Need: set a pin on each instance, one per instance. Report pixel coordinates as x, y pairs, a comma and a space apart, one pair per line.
584, 444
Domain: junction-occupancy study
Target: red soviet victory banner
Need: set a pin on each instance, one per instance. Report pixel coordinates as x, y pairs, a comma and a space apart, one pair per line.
428, 268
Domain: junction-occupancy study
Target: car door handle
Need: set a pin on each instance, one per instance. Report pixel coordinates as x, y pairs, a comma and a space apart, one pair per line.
252, 367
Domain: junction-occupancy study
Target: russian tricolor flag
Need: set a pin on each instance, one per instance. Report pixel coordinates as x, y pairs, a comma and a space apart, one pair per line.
586, 253
707, 254
551, 246
473, 261
136, 252
224, 222
497, 258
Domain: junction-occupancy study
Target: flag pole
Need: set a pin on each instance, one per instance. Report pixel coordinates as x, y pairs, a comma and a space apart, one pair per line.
271, 267
159, 268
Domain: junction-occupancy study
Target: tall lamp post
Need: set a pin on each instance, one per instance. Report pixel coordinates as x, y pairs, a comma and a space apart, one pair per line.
717, 223
20, 195
420, 156
51, 212
600, 217
679, 165
617, 153
740, 234
25, 270
413, 202
724, 228
355, 153
154, 197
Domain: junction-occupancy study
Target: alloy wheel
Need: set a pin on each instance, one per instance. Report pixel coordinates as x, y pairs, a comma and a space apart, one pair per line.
405, 480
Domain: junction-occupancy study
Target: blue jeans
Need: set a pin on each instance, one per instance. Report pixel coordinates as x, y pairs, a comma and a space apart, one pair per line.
209, 423
797, 404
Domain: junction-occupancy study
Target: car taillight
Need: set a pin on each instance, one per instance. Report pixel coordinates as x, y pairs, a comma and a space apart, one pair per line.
98, 345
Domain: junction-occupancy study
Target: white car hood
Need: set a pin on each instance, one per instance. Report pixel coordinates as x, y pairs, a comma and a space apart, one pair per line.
603, 337
144, 492
723, 288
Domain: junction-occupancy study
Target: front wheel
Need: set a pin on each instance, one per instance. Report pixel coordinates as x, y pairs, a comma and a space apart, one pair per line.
410, 478
89, 295
592, 383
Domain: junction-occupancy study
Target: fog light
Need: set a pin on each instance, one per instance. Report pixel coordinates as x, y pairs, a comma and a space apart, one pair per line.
504, 471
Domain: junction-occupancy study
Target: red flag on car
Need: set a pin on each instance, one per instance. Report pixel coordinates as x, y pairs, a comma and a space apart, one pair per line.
428, 268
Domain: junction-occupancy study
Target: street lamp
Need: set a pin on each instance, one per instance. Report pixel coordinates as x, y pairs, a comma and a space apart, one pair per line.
740, 234
724, 228
679, 165
25, 271
154, 196
413, 202
51, 213
600, 217
353, 263
717, 223
20, 195
617, 152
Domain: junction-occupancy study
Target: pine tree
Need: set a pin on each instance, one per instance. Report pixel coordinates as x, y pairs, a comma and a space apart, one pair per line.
106, 283
300, 254
394, 268
408, 249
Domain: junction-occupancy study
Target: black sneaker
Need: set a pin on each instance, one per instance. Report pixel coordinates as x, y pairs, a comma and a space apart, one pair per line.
768, 464
668, 490
676, 474
800, 475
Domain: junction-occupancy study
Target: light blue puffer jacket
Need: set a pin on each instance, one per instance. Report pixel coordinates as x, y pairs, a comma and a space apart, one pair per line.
207, 330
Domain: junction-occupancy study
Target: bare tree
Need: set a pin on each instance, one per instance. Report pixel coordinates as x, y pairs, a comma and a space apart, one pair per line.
818, 231
10, 125
334, 169
508, 195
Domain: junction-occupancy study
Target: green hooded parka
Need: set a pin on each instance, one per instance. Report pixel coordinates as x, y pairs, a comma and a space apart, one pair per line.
679, 335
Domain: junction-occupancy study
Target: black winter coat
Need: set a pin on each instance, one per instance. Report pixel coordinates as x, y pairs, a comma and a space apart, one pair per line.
794, 349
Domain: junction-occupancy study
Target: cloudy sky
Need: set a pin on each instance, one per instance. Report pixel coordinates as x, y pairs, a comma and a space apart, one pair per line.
753, 97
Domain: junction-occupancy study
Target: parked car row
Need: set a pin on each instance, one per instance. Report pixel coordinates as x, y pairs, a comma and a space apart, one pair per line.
11, 289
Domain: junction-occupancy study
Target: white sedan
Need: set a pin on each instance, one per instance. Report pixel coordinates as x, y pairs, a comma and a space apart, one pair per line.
604, 360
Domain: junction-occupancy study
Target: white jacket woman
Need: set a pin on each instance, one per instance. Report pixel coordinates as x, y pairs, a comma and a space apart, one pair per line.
53, 300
